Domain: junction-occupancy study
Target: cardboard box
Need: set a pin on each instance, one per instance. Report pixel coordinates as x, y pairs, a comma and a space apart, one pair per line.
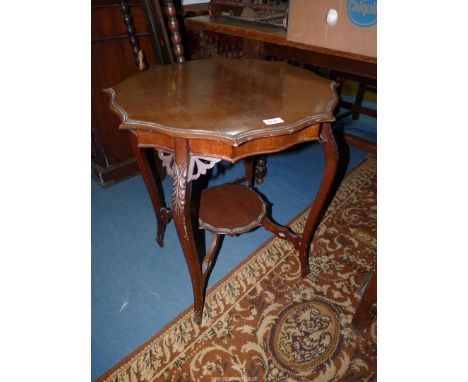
354, 29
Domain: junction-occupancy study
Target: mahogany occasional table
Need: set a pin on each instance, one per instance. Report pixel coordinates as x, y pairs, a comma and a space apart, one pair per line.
198, 113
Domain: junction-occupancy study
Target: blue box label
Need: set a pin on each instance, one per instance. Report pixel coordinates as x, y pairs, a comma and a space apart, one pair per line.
362, 13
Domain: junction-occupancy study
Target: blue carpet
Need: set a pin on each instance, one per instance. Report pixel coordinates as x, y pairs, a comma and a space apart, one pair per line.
137, 287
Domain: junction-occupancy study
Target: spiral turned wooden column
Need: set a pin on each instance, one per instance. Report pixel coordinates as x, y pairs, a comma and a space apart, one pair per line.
174, 27
137, 52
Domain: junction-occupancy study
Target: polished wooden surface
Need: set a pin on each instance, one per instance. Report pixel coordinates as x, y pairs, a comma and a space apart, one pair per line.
197, 113
220, 212
234, 38
224, 100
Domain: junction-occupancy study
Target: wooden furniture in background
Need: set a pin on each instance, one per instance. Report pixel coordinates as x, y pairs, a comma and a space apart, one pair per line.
233, 38
197, 113
272, 42
356, 108
156, 25
116, 40
257, 9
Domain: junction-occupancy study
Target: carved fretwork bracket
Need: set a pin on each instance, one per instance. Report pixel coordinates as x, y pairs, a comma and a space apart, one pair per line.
198, 166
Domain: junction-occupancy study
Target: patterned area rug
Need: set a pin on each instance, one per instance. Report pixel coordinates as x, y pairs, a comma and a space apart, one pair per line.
262, 322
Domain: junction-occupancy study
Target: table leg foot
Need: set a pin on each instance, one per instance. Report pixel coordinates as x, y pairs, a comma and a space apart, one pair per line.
160, 236
197, 317
160, 230
331, 163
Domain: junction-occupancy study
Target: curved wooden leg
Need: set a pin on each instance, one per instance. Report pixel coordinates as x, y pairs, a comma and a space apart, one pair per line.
183, 222
331, 160
210, 254
153, 185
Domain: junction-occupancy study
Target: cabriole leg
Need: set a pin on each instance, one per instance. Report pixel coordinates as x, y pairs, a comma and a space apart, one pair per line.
331, 161
183, 222
153, 185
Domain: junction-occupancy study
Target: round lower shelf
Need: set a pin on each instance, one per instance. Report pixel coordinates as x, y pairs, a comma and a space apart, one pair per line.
230, 209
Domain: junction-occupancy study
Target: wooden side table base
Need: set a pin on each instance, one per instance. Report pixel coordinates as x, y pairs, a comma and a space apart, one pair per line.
226, 199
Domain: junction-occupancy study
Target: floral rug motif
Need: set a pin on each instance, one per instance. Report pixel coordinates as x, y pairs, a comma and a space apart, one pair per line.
263, 322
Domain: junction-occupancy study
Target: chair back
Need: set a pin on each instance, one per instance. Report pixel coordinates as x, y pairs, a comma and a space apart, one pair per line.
165, 34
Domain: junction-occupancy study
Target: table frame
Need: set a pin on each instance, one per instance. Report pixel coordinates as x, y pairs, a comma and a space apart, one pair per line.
185, 150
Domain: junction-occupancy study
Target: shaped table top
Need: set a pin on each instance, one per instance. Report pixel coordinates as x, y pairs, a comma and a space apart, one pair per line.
232, 100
